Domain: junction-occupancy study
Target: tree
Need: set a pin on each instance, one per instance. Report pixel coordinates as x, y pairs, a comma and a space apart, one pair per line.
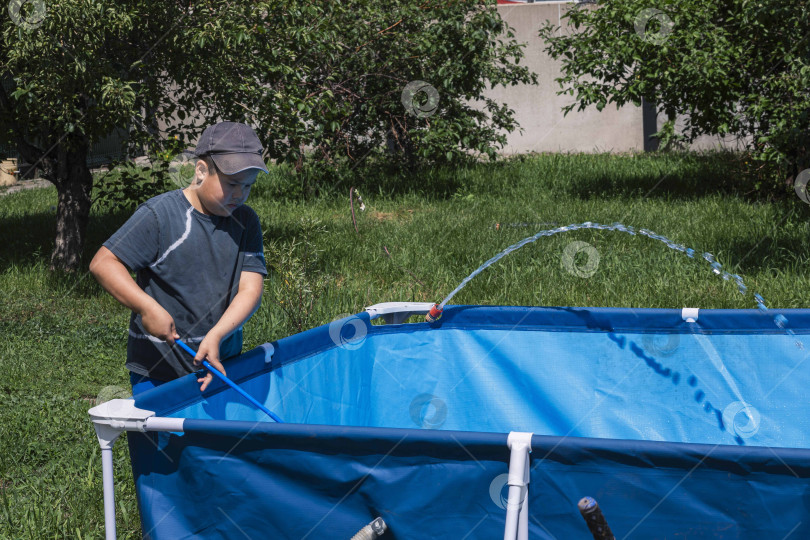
346, 79
727, 68
81, 69
342, 79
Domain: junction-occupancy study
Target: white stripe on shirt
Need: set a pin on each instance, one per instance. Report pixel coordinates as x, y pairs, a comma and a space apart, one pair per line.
179, 240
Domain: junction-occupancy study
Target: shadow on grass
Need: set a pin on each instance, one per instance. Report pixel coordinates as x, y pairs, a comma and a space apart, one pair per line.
664, 175
777, 250
374, 177
432, 183
27, 241
673, 176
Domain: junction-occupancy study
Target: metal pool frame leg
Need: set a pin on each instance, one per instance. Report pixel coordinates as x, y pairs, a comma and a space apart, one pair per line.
106, 438
109, 420
517, 504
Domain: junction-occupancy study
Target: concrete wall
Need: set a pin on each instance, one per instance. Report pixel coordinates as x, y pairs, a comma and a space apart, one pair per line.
538, 108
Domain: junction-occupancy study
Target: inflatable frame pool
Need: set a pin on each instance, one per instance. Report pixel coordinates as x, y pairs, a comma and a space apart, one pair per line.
490, 422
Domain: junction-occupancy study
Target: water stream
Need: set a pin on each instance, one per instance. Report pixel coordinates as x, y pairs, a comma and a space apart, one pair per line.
779, 320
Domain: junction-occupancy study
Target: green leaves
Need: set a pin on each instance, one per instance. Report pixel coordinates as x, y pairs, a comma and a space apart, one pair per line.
117, 94
322, 82
331, 77
736, 67
89, 69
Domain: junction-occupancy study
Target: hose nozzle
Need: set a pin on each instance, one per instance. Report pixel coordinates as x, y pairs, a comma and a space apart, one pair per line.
434, 314
599, 528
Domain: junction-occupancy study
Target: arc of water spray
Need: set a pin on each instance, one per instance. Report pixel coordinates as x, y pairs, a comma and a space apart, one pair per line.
780, 320
551, 232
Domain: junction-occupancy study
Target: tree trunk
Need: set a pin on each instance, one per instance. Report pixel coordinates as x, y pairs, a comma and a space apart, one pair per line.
73, 185
398, 142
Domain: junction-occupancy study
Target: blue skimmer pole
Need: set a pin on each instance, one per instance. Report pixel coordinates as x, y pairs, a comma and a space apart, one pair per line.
229, 382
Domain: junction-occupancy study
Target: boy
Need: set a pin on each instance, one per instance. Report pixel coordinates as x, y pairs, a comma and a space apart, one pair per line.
198, 258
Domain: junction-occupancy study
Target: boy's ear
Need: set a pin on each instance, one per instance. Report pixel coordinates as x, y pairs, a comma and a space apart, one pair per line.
200, 173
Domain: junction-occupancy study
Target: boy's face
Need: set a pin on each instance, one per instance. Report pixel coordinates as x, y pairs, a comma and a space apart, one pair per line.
220, 194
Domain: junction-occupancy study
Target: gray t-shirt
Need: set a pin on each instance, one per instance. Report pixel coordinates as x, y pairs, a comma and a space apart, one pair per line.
190, 263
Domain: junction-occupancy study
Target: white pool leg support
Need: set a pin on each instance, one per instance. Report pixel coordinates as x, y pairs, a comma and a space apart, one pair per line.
517, 503
523, 517
109, 420
107, 435
109, 493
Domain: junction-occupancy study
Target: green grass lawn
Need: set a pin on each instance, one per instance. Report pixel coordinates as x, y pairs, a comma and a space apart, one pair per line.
63, 340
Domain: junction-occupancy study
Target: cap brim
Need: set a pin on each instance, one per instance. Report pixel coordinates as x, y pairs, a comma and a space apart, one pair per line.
236, 163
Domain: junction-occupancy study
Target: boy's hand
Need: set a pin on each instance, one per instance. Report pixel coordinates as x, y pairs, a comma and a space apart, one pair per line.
159, 323
113, 275
209, 350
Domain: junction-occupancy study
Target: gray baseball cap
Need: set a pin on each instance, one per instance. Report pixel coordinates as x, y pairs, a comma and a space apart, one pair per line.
234, 147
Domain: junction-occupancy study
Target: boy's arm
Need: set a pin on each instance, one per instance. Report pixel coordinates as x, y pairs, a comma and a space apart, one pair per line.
244, 304
113, 275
